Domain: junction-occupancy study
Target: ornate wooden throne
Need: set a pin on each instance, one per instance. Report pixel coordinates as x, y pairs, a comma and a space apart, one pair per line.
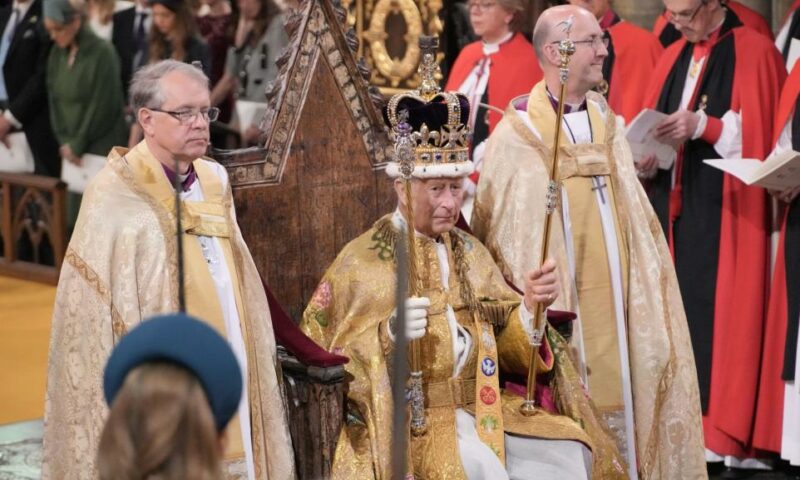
315, 184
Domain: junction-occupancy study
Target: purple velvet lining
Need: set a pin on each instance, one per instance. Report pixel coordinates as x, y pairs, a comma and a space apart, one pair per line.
433, 114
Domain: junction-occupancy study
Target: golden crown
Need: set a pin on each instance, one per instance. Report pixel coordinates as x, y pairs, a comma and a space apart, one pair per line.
439, 151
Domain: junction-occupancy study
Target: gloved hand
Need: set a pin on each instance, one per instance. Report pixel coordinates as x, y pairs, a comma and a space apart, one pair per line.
416, 318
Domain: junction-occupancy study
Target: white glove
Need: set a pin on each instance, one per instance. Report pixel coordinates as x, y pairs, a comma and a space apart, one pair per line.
416, 318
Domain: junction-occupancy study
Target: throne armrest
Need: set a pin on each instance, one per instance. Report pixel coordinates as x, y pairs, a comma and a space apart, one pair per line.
315, 392
287, 334
315, 399
562, 320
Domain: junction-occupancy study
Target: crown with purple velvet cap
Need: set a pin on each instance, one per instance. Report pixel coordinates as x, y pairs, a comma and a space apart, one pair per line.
429, 127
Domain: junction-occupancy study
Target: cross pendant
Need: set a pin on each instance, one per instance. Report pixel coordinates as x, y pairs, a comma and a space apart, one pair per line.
599, 185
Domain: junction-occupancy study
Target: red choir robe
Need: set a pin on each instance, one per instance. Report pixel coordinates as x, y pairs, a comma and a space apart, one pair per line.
793, 18
667, 34
632, 55
780, 333
718, 227
514, 71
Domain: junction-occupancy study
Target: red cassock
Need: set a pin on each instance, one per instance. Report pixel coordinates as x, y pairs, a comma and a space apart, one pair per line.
725, 304
514, 71
769, 414
667, 33
635, 54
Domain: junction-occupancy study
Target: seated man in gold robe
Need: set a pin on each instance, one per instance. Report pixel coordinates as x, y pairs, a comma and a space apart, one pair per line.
470, 324
631, 337
121, 267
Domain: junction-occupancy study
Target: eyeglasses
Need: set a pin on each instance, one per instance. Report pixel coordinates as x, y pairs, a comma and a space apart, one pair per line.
685, 17
593, 42
187, 117
481, 6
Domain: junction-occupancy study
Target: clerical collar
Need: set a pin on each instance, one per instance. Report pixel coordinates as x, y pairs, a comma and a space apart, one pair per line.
568, 108
609, 19
186, 179
494, 47
703, 47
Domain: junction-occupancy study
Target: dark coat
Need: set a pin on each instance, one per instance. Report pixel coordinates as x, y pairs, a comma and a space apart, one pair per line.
24, 74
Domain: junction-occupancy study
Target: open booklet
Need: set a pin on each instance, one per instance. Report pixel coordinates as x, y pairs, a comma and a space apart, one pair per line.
778, 172
249, 113
17, 156
77, 176
641, 137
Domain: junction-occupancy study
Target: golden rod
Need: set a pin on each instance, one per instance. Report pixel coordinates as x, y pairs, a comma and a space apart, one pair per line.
565, 49
418, 422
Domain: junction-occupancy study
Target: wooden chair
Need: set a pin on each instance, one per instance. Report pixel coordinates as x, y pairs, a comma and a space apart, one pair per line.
316, 183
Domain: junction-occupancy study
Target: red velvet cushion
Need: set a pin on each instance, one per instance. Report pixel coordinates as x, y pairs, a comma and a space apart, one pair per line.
295, 341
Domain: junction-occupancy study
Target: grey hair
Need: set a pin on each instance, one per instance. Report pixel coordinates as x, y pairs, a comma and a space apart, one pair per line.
145, 90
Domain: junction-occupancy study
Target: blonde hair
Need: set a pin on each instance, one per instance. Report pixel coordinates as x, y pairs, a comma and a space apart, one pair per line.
160, 427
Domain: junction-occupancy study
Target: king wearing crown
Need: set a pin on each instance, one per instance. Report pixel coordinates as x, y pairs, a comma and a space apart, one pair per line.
470, 328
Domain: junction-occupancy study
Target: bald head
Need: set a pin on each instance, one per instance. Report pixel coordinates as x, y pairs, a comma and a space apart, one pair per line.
585, 64
551, 23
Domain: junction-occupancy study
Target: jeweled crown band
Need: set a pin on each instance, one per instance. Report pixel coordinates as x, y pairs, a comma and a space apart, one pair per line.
429, 128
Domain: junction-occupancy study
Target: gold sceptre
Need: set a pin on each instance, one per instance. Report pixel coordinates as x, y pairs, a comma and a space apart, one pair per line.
405, 157
566, 48
404, 152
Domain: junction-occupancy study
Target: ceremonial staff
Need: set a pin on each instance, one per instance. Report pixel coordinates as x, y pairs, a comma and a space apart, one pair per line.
405, 157
400, 365
404, 153
566, 48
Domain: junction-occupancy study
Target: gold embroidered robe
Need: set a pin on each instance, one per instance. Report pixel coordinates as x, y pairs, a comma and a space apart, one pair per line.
509, 218
120, 268
348, 315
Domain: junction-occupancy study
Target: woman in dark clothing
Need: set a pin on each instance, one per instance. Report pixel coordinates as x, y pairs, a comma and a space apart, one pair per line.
175, 34
215, 21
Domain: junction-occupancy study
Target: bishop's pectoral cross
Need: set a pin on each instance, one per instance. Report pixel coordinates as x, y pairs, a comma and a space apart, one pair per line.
599, 185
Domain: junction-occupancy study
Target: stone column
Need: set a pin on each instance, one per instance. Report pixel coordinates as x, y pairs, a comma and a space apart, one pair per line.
779, 9
640, 12
763, 7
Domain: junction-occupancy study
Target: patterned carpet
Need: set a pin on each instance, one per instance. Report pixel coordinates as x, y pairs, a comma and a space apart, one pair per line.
21, 457
21, 451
